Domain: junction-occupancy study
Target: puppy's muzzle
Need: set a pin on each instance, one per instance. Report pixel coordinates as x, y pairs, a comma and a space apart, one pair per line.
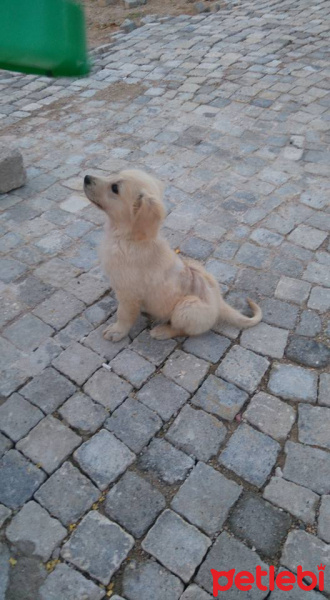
89, 189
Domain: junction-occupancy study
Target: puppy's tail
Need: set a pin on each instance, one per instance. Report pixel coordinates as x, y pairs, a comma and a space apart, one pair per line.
234, 317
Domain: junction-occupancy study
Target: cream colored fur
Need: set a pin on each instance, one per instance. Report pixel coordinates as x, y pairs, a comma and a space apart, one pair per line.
145, 272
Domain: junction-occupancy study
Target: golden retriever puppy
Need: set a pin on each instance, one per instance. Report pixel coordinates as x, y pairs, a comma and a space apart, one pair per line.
145, 272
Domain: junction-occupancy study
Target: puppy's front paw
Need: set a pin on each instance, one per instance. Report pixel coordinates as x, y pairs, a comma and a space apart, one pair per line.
113, 333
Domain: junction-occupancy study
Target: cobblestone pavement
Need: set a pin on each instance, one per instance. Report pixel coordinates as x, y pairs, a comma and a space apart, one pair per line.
142, 465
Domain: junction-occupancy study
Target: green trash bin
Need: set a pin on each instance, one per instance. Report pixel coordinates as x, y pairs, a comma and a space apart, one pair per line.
44, 37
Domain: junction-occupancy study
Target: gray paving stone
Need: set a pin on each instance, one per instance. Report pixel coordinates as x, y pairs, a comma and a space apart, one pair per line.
67, 494
308, 237
281, 314
265, 339
265, 237
307, 466
150, 581
226, 552
107, 388
185, 370
314, 425
227, 330
51, 310
257, 283
206, 498
308, 352
324, 389
4, 570
53, 243
209, 346
64, 583
81, 413
252, 256
98, 546
20, 212
87, 288
108, 350
77, 229
101, 310
166, 462
226, 250
19, 479
320, 220
197, 433
28, 332
56, 272
34, 532
193, 592
293, 383
294, 290
324, 519
103, 458
5, 513
260, 524
5, 444
11, 305
83, 255
310, 324
11, 269
153, 350
270, 415
306, 550
131, 366
48, 390
295, 499
35, 362
75, 331
17, 417
287, 218
180, 547
134, 504
223, 272
163, 396
77, 363
49, 443
319, 299
250, 454
317, 273
220, 398
196, 248
32, 291
134, 424
243, 368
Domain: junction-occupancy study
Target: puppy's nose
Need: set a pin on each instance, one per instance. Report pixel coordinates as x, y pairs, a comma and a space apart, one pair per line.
87, 180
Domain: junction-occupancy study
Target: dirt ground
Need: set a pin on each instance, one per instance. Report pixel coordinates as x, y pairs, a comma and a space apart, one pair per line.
102, 21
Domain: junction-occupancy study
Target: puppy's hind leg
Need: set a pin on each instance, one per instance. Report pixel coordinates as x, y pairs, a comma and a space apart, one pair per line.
191, 316
165, 332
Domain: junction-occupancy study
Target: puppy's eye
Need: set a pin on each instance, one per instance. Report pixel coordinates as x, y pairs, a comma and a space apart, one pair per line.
114, 188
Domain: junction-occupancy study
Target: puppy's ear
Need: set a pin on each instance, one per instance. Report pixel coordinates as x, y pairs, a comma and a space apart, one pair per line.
148, 214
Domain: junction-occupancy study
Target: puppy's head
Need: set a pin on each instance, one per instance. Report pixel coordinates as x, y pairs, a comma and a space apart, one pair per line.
132, 200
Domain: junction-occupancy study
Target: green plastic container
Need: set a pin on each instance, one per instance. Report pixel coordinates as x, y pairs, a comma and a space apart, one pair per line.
44, 37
